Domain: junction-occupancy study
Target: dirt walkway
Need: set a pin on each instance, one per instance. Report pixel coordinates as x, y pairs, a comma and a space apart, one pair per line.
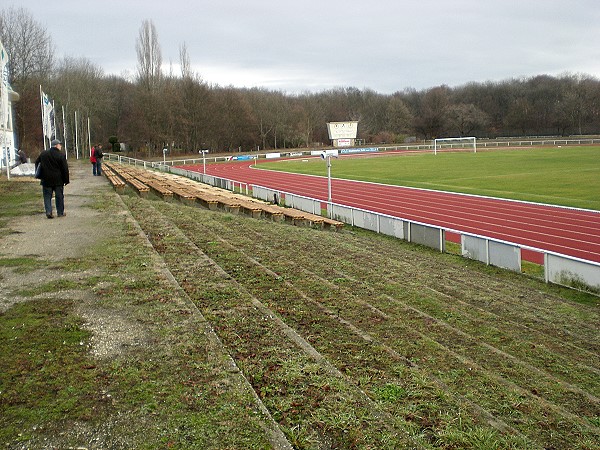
60, 237
54, 239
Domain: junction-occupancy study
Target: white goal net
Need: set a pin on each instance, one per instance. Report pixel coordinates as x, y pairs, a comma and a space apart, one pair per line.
455, 143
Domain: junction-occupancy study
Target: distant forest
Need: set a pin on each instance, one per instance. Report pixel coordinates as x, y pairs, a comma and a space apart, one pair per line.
152, 109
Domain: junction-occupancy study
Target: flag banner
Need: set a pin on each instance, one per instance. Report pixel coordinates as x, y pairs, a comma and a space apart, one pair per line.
3, 88
48, 117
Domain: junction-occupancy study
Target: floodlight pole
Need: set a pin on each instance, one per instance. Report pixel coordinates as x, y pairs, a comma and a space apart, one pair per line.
327, 157
204, 160
329, 178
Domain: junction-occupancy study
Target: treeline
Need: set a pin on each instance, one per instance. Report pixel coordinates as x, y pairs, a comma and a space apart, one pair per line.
153, 110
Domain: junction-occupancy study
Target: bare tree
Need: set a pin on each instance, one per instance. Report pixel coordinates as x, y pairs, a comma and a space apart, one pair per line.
464, 118
431, 118
310, 118
399, 117
31, 53
519, 116
184, 60
80, 86
28, 44
149, 56
264, 109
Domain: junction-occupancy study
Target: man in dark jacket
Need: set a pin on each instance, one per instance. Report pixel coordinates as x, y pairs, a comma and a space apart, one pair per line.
54, 176
22, 157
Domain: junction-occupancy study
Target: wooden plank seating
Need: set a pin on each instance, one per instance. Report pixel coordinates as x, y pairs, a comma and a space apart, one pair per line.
183, 194
210, 198
295, 216
159, 188
142, 189
274, 212
157, 184
251, 208
305, 218
328, 223
192, 192
122, 171
231, 205
207, 201
254, 207
117, 182
179, 191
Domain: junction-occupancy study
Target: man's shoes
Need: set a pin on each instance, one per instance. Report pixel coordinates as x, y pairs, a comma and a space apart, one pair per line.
49, 216
62, 215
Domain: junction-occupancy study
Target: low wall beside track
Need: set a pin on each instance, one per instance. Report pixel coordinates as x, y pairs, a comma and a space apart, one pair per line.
558, 268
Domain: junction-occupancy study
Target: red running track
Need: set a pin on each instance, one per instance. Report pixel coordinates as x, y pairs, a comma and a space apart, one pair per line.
568, 231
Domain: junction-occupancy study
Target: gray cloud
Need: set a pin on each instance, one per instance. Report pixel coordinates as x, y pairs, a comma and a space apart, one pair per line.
384, 45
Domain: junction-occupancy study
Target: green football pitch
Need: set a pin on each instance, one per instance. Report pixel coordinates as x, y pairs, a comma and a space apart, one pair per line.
568, 176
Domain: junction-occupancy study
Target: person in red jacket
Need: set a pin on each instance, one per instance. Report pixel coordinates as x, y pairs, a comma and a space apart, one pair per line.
96, 160
54, 176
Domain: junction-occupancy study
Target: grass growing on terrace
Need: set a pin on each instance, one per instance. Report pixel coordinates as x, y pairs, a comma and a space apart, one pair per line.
568, 176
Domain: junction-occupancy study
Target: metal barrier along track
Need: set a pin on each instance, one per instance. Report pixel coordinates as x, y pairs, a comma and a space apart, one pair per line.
559, 268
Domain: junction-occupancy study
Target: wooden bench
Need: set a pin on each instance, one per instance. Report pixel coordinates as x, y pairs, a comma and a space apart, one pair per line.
328, 223
210, 198
117, 182
274, 212
142, 189
213, 198
158, 187
207, 201
183, 195
222, 202
130, 179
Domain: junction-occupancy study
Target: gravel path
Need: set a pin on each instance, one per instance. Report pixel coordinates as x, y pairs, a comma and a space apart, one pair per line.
53, 239
63, 237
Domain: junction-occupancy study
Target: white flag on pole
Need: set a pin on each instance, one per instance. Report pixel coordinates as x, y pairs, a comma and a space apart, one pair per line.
3, 87
4, 151
48, 117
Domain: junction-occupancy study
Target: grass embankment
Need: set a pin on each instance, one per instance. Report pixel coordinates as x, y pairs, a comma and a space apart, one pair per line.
568, 176
349, 340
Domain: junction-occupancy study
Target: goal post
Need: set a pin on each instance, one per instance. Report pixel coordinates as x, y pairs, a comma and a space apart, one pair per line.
459, 142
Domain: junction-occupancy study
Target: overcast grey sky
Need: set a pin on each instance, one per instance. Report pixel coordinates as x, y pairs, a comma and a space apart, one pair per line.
313, 45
